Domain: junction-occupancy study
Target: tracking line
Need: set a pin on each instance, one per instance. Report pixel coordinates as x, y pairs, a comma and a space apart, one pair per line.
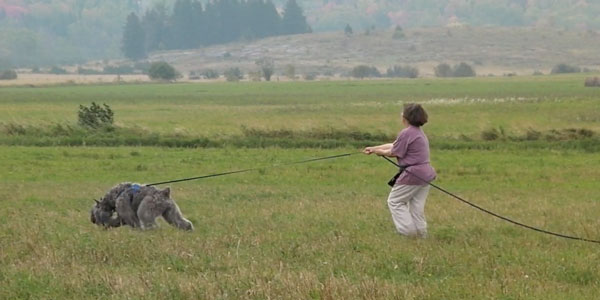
256, 169
397, 165
493, 213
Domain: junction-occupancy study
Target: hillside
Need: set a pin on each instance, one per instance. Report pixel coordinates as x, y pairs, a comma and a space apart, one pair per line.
43, 33
490, 50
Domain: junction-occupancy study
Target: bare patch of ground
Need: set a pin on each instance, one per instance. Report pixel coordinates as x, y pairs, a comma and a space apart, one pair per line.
492, 50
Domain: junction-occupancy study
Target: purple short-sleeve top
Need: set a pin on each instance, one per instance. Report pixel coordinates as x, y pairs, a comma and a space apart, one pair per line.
412, 150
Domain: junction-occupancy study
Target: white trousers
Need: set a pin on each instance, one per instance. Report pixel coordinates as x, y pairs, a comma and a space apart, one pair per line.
407, 205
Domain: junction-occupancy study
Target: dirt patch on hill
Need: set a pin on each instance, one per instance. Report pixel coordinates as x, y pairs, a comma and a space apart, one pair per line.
495, 51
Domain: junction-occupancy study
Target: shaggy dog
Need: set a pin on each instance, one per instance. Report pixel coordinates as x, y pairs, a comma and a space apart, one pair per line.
137, 206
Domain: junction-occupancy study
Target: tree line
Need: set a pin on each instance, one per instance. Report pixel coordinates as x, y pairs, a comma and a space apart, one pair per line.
192, 24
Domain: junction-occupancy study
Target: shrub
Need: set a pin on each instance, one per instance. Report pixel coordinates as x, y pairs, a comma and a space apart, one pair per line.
162, 71
532, 135
363, 71
443, 70
8, 75
84, 71
348, 30
255, 76
193, 76
493, 134
398, 33
13, 129
233, 74
57, 70
463, 70
95, 116
267, 67
310, 76
569, 134
460, 70
564, 68
210, 74
592, 82
490, 134
403, 72
290, 72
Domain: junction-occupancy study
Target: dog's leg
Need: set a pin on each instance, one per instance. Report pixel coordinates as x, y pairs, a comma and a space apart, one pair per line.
114, 222
125, 212
148, 211
174, 217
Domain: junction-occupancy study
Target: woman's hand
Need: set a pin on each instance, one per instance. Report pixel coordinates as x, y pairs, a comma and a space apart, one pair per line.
369, 150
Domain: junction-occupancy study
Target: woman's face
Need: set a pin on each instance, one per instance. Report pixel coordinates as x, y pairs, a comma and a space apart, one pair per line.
404, 121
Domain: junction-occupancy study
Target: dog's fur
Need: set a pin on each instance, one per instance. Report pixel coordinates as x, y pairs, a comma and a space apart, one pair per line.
138, 209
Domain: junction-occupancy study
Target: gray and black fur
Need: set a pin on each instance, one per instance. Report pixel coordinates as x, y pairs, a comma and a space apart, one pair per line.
138, 208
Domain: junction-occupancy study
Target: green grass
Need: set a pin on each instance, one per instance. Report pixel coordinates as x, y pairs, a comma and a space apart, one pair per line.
213, 110
319, 230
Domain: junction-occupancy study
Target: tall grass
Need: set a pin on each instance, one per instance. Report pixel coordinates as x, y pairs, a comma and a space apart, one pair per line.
12, 134
319, 230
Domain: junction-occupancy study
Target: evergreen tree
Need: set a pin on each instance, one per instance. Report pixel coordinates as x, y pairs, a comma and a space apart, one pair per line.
258, 20
270, 20
229, 20
294, 21
212, 23
251, 12
182, 31
199, 25
155, 27
191, 25
134, 41
262, 18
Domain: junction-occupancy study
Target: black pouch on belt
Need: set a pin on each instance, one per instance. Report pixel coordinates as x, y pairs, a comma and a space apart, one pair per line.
392, 181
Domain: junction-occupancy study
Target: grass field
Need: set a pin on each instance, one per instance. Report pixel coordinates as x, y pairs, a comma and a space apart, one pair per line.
313, 231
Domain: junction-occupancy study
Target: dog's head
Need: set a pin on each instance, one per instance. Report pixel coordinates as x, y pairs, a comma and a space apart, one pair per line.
101, 214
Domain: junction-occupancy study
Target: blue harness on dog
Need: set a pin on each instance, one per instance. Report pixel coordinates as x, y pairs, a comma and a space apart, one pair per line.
134, 188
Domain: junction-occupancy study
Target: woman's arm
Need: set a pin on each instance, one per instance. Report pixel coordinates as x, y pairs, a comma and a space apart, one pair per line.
384, 152
384, 149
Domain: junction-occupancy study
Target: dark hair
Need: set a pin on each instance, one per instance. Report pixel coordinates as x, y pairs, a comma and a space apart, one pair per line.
415, 114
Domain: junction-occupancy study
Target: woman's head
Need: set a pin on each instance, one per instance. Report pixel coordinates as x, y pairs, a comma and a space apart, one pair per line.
414, 114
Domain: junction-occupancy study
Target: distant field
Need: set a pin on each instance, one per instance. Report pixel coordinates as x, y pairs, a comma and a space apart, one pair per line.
457, 106
314, 231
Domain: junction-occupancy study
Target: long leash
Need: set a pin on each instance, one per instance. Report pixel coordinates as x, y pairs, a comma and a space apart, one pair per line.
256, 169
397, 165
493, 213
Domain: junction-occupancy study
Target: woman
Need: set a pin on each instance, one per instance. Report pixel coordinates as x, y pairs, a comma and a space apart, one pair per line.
407, 198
